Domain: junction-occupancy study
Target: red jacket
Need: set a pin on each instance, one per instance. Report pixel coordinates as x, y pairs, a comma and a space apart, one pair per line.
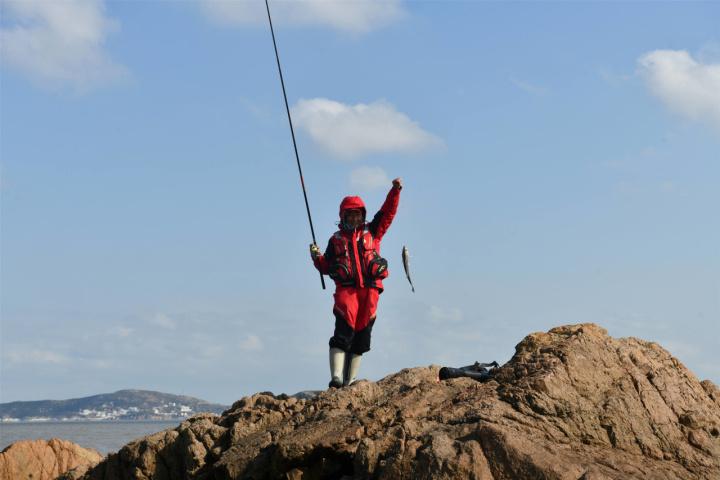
355, 249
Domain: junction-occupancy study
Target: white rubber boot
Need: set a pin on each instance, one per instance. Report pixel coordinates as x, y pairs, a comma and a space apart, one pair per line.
337, 365
351, 370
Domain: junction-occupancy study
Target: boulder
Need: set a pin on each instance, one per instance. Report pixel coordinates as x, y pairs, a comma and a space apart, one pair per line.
572, 404
46, 460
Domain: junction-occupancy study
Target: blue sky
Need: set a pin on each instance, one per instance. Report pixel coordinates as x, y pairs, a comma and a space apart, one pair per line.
560, 160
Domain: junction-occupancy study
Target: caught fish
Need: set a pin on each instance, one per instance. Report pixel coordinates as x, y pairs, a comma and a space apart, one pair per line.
406, 264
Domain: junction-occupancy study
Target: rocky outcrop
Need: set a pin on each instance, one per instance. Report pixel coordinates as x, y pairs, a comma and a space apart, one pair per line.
572, 403
46, 460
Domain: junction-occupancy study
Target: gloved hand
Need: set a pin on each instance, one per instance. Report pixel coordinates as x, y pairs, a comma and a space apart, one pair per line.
314, 251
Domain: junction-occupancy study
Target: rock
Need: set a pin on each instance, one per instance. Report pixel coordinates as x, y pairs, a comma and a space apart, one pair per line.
46, 460
307, 394
572, 403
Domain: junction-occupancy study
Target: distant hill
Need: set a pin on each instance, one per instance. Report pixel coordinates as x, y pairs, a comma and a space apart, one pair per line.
121, 405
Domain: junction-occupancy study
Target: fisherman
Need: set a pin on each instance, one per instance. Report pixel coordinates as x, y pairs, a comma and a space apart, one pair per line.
352, 259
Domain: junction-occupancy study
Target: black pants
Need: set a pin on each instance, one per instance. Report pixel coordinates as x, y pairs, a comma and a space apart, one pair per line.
348, 340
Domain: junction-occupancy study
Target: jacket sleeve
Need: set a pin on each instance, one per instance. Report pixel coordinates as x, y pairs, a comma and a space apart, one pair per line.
383, 218
323, 262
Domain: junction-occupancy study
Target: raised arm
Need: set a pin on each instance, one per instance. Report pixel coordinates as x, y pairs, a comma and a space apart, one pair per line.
383, 218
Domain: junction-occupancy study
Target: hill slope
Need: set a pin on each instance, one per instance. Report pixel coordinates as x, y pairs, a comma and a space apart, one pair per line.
573, 403
120, 405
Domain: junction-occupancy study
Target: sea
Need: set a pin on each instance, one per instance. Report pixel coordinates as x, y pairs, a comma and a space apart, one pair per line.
103, 436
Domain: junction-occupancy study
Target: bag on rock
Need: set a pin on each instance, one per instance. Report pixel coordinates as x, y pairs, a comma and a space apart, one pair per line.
478, 371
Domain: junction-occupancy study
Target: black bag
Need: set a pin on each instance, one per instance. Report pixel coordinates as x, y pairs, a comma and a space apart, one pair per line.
478, 371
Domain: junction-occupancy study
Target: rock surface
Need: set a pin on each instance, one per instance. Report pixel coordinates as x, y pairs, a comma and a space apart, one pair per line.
46, 460
572, 403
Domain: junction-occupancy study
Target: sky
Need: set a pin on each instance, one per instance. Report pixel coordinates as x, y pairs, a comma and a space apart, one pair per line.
560, 165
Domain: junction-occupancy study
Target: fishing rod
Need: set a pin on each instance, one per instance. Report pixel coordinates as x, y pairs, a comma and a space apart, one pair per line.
292, 132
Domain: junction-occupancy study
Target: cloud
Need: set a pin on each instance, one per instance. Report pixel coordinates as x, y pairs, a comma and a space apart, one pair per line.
646, 188
445, 315
349, 131
679, 348
212, 352
121, 331
59, 44
686, 86
346, 15
368, 178
251, 343
35, 356
613, 78
529, 87
162, 320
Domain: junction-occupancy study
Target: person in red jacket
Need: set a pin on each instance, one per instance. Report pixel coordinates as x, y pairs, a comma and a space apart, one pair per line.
352, 259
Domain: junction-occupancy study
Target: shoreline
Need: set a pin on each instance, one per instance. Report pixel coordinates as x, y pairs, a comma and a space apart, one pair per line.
86, 420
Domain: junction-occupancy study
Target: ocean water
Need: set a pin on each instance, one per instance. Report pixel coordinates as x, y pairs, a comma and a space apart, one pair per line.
104, 437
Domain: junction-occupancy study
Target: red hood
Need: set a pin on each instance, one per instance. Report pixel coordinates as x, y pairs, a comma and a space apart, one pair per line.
350, 203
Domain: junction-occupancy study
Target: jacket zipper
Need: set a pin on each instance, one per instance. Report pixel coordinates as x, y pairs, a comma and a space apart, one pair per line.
357, 269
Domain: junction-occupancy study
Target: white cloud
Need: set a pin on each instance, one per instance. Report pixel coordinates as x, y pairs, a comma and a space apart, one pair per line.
685, 85
59, 43
35, 356
162, 320
101, 364
368, 178
251, 343
645, 188
667, 186
679, 348
121, 331
348, 15
212, 351
613, 78
349, 131
529, 87
445, 315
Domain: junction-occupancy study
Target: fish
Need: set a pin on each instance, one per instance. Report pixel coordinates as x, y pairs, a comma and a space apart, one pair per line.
406, 264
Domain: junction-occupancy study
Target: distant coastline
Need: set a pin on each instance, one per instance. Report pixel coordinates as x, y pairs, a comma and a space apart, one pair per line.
92, 420
123, 405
